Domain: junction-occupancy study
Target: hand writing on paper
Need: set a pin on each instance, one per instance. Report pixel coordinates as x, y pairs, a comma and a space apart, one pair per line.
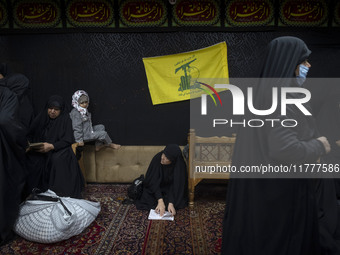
160, 207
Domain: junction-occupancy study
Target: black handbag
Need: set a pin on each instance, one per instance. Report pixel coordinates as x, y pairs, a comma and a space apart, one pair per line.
136, 188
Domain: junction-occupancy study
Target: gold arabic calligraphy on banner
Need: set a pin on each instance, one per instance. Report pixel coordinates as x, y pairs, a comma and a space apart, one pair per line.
3, 14
301, 13
249, 13
196, 13
134, 13
36, 14
337, 14
87, 13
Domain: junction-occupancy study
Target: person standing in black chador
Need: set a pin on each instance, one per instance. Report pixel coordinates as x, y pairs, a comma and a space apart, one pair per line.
278, 215
12, 157
54, 165
165, 187
328, 189
19, 85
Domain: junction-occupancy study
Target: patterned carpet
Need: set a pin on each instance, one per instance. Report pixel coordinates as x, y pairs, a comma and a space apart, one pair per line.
122, 229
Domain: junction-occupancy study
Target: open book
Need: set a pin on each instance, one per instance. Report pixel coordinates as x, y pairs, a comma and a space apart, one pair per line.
35, 146
155, 216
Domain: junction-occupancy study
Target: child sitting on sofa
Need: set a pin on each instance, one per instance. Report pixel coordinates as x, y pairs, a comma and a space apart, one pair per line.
82, 124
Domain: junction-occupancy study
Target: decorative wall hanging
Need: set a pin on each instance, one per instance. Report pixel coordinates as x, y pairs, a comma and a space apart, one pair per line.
89, 13
196, 13
134, 13
249, 13
336, 14
3, 14
303, 13
36, 14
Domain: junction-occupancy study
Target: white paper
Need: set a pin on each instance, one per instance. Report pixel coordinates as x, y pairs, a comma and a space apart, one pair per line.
155, 216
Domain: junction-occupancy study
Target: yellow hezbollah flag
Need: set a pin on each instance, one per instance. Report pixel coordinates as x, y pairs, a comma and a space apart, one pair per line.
178, 77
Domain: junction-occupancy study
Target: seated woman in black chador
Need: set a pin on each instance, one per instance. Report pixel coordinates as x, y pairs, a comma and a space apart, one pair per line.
54, 165
165, 186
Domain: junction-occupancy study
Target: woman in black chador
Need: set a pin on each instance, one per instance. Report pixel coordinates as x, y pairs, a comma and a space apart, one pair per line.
19, 85
328, 189
53, 165
165, 187
275, 215
12, 157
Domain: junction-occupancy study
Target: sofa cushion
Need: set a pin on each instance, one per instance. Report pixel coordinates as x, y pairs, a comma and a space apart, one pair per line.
118, 166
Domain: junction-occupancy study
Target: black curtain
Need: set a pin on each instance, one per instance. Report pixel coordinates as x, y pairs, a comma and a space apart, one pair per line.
109, 67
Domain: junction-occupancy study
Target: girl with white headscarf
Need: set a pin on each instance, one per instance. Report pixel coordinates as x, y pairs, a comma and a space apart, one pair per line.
82, 123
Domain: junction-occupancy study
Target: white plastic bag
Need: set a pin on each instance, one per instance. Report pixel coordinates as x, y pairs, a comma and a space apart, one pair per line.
50, 222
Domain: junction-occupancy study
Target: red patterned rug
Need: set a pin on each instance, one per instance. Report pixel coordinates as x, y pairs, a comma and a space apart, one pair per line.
122, 229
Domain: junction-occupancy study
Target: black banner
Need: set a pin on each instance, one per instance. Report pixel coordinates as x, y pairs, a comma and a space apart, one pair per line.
165, 15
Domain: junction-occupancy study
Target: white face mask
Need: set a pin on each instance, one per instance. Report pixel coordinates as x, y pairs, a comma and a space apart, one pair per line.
301, 77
